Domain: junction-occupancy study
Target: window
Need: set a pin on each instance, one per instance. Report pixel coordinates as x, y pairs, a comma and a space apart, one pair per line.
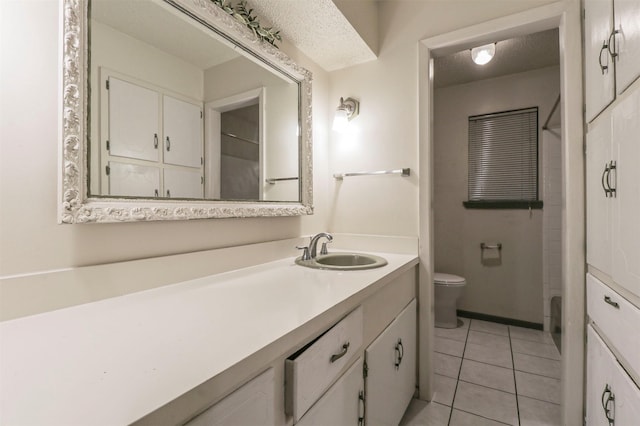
503, 160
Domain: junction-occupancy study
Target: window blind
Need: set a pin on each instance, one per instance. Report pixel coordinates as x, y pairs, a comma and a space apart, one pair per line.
503, 156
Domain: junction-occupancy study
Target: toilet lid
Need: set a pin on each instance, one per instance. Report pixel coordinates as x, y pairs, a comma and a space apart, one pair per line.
448, 279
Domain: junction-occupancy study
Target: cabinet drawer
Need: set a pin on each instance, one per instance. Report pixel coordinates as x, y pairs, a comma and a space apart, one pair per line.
252, 404
309, 372
611, 396
617, 319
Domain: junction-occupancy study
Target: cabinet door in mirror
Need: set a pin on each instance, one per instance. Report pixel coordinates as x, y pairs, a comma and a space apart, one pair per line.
205, 119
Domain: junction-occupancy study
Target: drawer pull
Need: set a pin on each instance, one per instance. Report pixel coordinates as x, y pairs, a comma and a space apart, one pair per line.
342, 353
605, 404
399, 353
360, 404
611, 302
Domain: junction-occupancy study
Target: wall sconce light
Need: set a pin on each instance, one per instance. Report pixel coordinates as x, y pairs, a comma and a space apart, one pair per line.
481, 55
347, 110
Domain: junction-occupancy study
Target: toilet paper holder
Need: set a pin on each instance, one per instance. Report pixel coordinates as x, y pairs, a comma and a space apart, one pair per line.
497, 246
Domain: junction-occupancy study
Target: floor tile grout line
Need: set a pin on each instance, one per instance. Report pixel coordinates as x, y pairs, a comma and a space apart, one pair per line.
486, 387
537, 356
538, 399
515, 382
483, 417
459, 372
537, 374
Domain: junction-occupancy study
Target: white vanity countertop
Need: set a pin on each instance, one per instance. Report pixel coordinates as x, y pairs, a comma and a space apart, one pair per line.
114, 361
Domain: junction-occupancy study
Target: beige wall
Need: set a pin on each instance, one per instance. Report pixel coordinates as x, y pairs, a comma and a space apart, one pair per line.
31, 241
513, 288
386, 132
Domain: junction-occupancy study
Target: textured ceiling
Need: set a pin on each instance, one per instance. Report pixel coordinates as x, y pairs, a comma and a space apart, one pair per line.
318, 29
533, 51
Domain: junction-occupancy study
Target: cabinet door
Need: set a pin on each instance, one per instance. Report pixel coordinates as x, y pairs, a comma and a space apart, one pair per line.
598, 203
183, 183
132, 180
599, 379
391, 370
611, 396
343, 404
627, 43
626, 204
133, 120
252, 404
600, 86
182, 132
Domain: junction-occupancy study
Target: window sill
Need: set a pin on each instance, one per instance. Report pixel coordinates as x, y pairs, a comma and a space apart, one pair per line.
514, 204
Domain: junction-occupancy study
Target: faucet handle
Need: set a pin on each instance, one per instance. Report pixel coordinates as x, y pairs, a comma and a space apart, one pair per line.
305, 253
324, 250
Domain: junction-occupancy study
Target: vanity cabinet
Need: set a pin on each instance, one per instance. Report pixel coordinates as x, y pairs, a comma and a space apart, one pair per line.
391, 370
252, 404
613, 193
153, 142
612, 50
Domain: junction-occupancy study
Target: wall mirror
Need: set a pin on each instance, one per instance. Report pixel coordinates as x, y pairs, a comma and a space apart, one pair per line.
175, 110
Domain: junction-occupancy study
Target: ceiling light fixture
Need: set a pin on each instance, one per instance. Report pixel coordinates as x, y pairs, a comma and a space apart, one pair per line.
481, 55
347, 110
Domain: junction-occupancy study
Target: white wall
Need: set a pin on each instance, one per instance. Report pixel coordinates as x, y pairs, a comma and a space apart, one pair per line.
386, 132
31, 241
513, 288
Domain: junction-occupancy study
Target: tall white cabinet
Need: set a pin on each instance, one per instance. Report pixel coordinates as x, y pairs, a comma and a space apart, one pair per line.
152, 142
612, 110
612, 50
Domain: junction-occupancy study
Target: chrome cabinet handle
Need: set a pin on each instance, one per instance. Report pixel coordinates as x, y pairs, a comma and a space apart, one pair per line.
604, 174
605, 404
611, 302
168, 194
604, 48
612, 43
342, 353
156, 193
168, 144
612, 168
360, 404
399, 353
155, 140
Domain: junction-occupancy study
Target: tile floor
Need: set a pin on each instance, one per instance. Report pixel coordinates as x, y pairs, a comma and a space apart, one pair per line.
491, 374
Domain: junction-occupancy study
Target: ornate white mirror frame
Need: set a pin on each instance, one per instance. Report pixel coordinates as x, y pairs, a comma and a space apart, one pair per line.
76, 206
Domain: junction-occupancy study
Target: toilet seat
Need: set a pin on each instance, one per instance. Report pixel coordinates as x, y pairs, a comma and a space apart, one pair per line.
448, 280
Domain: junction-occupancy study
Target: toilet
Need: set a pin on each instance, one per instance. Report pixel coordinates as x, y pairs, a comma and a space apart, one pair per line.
448, 288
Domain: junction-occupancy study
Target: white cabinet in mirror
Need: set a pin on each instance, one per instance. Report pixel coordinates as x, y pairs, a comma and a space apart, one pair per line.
174, 110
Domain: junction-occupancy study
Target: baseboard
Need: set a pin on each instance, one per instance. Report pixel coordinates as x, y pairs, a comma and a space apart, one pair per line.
500, 320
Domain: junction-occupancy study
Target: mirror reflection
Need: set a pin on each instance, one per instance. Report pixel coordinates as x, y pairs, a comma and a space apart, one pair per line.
176, 111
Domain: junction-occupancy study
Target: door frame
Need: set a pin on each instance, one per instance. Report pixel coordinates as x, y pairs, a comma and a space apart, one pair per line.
564, 15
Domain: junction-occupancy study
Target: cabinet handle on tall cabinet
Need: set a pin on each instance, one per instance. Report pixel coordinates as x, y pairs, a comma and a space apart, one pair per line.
612, 43
605, 404
604, 48
168, 144
155, 140
605, 178
612, 168
611, 302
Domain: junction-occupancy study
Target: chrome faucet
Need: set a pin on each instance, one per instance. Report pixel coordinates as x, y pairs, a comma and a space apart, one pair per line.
313, 245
